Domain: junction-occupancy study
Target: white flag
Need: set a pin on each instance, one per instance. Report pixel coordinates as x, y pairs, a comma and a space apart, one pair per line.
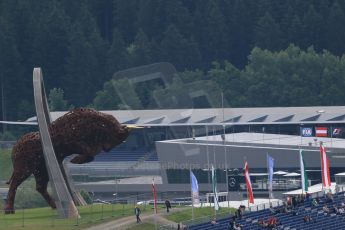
214, 186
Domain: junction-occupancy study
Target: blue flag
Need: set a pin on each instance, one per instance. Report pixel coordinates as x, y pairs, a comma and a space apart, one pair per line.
195, 188
270, 165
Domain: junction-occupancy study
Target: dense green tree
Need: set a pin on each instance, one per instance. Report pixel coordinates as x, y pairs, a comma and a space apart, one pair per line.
81, 68
86, 64
192, 75
56, 100
178, 50
117, 94
51, 44
314, 29
322, 6
25, 109
306, 77
103, 11
241, 33
178, 14
140, 50
231, 81
267, 33
216, 40
107, 98
199, 21
291, 27
335, 29
80, 44
295, 31
22, 24
126, 18
152, 18
10, 72
117, 54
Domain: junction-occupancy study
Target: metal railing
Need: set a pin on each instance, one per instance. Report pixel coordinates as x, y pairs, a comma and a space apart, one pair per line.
99, 210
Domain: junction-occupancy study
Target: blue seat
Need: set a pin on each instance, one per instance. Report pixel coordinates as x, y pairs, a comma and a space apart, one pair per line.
288, 221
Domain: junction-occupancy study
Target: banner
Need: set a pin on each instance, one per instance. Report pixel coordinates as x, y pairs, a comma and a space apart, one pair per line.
194, 188
304, 177
307, 132
270, 165
214, 186
336, 132
326, 178
248, 183
321, 131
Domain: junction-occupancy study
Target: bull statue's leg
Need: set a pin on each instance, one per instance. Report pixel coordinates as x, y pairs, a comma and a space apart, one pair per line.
81, 159
41, 177
16, 179
85, 152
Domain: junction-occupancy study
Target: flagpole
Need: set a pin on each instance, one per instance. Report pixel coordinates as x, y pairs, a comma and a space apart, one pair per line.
154, 202
214, 186
226, 170
247, 197
225, 155
322, 169
215, 196
300, 163
214, 148
268, 178
300, 133
214, 162
331, 137
208, 159
245, 160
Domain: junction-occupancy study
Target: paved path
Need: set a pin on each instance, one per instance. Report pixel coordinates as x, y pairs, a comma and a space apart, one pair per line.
126, 222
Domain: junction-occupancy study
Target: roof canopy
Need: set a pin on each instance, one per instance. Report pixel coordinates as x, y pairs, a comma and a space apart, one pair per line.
228, 116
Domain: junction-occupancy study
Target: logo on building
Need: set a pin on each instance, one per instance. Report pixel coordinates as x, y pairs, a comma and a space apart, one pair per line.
306, 132
336, 132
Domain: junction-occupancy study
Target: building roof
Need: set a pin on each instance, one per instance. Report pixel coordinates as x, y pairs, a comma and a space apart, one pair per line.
227, 116
312, 189
263, 139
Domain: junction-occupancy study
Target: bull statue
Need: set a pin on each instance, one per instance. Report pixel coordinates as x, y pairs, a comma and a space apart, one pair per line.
85, 132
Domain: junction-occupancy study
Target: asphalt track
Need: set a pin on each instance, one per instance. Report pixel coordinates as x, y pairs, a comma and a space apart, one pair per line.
127, 222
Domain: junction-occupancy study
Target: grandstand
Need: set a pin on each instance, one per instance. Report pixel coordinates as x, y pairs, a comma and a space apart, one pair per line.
126, 155
293, 219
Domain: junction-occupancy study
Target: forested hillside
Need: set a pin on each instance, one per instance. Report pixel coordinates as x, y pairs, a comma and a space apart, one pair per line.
81, 43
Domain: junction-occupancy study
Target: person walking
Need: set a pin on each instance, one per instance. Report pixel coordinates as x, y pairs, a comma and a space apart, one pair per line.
137, 212
167, 204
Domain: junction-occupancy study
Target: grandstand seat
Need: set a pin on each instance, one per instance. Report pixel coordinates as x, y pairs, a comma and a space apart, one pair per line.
288, 221
127, 155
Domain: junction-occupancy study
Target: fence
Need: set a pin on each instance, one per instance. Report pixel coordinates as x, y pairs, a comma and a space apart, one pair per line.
97, 212
44, 218
222, 213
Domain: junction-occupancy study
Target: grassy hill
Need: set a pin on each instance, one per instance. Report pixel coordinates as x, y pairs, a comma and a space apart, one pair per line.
45, 218
41, 218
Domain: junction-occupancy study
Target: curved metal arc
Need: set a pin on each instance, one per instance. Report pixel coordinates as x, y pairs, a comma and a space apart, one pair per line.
63, 199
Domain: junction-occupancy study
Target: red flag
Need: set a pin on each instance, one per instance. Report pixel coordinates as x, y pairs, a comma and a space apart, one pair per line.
248, 183
321, 131
154, 195
326, 178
